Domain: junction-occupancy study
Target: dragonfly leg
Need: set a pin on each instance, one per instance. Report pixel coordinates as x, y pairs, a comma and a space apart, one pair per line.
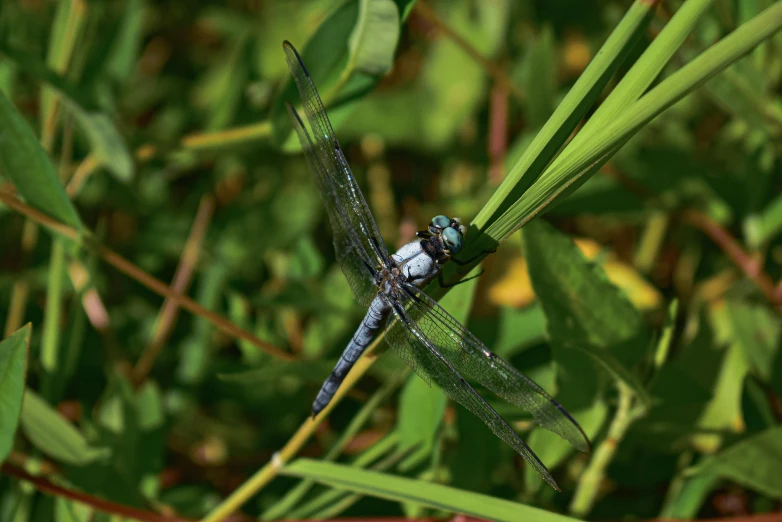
444, 285
467, 262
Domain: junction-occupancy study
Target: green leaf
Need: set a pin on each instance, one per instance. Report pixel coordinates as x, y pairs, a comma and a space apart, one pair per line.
106, 142
754, 462
55, 436
13, 369
756, 330
583, 309
25, 163
402, 489
328, 59
579, 301
374, 38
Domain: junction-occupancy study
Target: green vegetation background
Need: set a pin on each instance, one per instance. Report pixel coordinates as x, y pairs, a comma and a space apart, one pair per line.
658, 328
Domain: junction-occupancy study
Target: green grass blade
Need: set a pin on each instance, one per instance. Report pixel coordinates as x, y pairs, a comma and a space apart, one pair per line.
52, 319
567, 115
296, 494
402, 489
385, 449
604, 143
13, 370
644, 70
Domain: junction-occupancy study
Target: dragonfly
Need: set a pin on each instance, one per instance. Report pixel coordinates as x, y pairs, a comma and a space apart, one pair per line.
434, 344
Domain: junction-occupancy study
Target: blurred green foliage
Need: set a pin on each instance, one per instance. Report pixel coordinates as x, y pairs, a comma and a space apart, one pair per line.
165, 123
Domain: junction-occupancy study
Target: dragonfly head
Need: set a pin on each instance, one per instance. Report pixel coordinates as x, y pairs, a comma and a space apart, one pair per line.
450, 230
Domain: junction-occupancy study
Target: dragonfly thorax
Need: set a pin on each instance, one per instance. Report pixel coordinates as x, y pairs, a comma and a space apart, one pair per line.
415, 262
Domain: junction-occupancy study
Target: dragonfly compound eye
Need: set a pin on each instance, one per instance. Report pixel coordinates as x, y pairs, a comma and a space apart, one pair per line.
441, 221
453, 240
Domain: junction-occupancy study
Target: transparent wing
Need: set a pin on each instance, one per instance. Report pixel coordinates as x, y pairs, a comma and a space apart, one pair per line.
406, 337
355, 230
472, 358
356, 264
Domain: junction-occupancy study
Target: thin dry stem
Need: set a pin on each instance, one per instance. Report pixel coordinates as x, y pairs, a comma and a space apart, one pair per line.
134, 272
182, 279
750, 266
45, 486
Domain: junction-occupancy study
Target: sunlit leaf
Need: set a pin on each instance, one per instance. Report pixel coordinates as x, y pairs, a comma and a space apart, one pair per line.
374, 38
753, 462
583, 309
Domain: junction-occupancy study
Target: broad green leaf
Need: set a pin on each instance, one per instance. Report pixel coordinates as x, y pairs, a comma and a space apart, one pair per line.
25, 163
328, 60
13, 369
407, 490
55, 436
374, 38
583, 309
756, 329
753, 462
106, 142
449, 90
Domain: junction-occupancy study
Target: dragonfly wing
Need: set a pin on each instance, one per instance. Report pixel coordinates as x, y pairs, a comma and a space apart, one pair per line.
355, 262
472, 358
407, 337
355, 230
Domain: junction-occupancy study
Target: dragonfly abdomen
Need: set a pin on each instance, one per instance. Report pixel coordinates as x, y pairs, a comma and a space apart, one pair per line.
373, 321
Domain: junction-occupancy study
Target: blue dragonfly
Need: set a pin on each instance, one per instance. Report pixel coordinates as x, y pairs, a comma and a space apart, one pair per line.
421, 332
